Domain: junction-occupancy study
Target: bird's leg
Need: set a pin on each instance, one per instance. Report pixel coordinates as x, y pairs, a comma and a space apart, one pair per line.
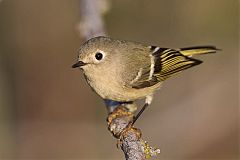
131, 123
139, 113
148, 101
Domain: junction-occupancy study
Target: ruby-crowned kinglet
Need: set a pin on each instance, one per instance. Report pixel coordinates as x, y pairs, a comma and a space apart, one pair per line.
125, 71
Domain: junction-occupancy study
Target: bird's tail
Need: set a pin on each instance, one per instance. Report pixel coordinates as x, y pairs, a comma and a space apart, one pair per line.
190, 51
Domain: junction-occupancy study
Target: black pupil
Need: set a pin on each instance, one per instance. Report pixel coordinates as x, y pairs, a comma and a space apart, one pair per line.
99, 56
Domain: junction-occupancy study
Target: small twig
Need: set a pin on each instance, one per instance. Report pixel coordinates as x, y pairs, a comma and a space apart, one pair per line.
120, 115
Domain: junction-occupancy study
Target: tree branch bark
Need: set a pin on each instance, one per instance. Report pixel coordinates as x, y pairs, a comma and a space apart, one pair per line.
119, 117
129, 137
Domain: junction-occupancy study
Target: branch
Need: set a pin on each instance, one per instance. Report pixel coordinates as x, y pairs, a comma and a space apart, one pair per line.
129, 137
91, 24
120, 115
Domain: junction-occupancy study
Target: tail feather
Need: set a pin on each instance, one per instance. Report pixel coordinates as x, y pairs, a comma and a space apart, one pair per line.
190, 51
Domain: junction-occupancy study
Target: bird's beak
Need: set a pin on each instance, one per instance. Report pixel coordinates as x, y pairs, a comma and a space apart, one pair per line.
79, 64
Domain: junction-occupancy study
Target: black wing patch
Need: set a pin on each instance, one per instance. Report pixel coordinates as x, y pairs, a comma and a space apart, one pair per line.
167, 62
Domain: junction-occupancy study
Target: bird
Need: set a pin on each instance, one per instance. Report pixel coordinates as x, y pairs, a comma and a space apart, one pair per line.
125, 71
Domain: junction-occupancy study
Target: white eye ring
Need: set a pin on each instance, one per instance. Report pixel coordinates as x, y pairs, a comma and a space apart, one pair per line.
99, 55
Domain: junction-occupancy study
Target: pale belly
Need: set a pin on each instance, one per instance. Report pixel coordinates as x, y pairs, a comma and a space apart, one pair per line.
110, 89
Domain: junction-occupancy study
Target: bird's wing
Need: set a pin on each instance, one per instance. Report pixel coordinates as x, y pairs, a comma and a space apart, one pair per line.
162, 64
137, 64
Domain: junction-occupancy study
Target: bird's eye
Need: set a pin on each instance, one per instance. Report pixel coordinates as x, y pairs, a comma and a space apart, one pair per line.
98, 56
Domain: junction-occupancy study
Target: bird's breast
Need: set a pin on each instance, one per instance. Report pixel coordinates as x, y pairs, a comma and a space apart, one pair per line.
109, 86
106, 85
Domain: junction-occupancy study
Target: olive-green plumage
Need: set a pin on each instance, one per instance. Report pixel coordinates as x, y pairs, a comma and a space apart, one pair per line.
126, 71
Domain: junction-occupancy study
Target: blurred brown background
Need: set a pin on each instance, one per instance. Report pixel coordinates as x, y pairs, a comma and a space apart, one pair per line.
47, 110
